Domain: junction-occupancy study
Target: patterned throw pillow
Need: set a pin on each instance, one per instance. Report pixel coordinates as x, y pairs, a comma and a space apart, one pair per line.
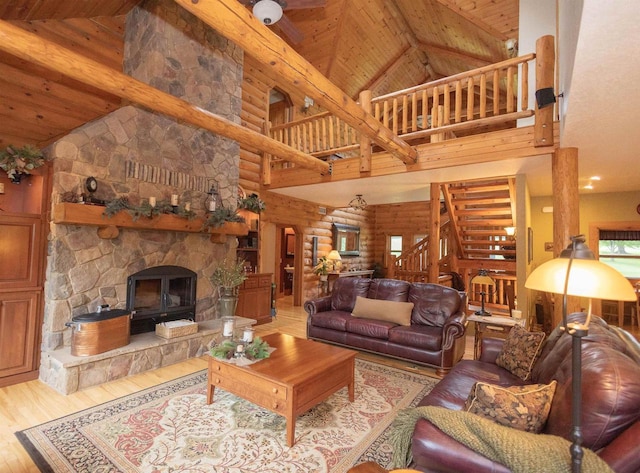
521, 407
520, 351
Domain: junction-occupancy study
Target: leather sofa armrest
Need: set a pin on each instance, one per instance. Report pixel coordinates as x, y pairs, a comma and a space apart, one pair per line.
491, 347
622, 453
433, 450
453, 328
314, 306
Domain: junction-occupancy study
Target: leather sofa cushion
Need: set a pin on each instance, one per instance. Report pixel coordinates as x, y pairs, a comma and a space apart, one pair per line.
389, 290
370, 328
419, 336
331, 319
390, 311
346, 290
433, 303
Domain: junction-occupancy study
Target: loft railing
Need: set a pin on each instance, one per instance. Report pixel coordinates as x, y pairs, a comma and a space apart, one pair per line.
489, 95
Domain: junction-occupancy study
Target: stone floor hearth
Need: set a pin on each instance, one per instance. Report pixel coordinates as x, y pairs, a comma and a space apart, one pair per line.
146, 351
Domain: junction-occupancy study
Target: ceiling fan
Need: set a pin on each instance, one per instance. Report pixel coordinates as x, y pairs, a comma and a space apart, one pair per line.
270, 12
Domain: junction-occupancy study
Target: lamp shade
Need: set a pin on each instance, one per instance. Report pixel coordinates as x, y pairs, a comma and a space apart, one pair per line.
588, 278
334, 256
267, 11
483, 278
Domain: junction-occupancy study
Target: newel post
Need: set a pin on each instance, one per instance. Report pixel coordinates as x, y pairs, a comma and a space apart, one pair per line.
434, 235
365, 142
545, 75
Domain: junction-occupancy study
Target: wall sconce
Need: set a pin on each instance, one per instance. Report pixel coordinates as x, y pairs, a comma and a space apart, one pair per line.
485, 281
511, 232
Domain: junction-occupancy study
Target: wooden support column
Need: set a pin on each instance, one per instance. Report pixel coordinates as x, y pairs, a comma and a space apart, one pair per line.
545, 64
365, 141
33, 48
566, 213
434, 234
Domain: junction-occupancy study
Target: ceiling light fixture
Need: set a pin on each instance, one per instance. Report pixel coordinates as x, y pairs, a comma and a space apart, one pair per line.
358, 203
267, 11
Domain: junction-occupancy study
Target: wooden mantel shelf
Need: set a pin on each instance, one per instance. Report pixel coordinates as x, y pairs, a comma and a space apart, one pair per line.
108, 227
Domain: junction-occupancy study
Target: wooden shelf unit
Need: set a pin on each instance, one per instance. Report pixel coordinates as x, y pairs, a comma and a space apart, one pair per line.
108, 227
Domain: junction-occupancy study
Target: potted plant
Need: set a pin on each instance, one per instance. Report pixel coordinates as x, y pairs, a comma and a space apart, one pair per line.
17, 162
252, 203
227, 276
322, 268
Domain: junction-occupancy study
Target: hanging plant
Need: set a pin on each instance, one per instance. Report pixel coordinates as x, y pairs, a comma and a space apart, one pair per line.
17, 162
252, 203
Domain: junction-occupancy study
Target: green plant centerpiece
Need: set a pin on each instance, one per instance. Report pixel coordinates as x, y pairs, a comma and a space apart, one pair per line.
258, 349
18, 162
252, 203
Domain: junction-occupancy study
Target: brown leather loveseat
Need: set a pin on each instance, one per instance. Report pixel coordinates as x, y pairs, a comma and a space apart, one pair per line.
610, 401
420, 322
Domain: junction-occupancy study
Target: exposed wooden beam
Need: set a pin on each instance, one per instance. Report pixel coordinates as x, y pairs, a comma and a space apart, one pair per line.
232, 20
472, 59
31, 47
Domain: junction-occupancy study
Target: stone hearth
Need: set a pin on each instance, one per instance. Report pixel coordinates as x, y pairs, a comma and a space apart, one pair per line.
67, 373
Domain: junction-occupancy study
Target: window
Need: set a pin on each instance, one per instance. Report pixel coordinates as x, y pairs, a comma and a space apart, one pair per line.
621, 250
395, 245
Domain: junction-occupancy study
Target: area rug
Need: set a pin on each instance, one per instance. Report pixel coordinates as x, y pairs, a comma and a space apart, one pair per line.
170, 428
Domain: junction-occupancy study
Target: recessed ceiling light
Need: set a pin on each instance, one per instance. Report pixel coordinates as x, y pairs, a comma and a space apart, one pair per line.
595, 178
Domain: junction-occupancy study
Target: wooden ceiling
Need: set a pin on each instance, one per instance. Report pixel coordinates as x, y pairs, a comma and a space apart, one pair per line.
358, 44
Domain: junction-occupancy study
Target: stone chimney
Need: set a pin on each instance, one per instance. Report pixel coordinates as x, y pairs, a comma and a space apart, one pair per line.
137, 153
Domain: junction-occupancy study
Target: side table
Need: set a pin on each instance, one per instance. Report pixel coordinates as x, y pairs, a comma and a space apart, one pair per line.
491, 326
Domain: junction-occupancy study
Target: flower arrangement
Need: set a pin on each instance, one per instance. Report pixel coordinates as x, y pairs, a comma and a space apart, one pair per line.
322, 268
258, 349
252, 203
229, 273
18, 161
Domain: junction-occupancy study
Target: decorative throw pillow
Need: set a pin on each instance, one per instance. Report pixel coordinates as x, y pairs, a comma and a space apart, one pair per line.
521, 407
389, 311
520, 351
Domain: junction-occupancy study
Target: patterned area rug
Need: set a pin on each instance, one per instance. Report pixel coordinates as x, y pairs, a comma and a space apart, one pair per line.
170, 428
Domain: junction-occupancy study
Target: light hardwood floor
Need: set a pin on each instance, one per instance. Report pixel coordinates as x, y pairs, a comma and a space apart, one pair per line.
28, 404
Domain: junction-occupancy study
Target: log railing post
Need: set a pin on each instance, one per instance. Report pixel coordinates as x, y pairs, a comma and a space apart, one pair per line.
434, 234
545, 64
365, 142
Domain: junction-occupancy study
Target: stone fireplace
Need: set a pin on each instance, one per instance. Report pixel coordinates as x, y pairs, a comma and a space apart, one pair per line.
139, 154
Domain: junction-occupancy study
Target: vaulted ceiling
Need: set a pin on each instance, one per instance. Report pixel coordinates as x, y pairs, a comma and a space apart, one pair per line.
358, 44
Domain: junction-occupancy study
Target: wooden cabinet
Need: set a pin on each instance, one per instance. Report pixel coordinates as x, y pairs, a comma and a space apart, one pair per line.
254, 298
23, 232
19, 333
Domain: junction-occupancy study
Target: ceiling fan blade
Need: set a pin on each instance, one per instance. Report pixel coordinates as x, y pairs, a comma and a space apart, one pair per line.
300, 4
289, 29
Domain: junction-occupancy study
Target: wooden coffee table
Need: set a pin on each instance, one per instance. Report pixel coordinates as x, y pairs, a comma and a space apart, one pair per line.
298, 375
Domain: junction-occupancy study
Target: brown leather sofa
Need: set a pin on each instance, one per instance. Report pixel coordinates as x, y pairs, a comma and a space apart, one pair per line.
435, 336
610, 401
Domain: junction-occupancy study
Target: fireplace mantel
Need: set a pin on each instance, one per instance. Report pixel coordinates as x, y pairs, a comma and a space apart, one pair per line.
92, 215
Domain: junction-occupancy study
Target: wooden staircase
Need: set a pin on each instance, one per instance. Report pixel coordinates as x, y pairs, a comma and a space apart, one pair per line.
479, 212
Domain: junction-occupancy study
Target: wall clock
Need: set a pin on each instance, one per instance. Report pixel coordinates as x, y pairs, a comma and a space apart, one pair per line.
91, 184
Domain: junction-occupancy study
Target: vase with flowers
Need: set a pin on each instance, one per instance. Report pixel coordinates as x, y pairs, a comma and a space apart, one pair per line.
20, 161
227, 276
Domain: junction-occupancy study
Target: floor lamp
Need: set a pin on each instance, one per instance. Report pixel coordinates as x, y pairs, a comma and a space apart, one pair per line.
577, 272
